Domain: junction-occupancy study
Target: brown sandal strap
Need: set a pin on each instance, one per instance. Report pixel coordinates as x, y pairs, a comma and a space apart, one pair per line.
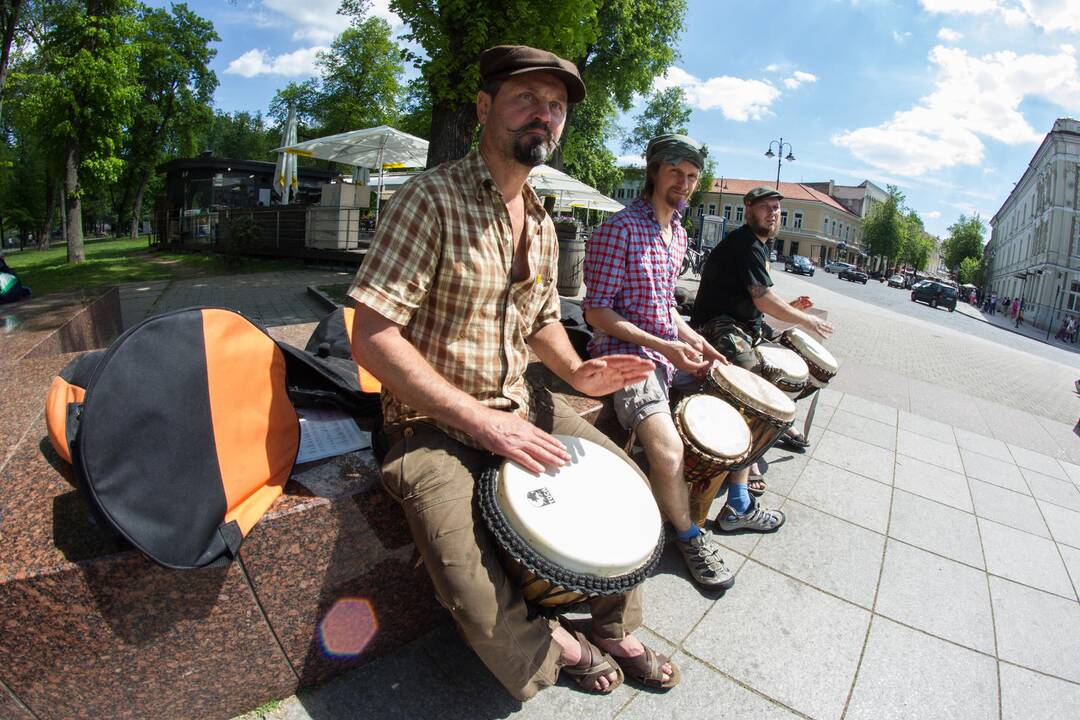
645, 668
593, 665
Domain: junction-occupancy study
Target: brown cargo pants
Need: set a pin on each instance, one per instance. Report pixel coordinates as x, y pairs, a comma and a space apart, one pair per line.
432, 476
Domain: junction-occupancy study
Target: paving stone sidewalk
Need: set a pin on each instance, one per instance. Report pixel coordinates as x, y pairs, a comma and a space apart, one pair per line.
925, 571
929, 568
1006, 323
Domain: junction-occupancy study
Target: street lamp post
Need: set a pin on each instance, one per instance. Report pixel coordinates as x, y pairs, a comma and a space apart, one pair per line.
779, 156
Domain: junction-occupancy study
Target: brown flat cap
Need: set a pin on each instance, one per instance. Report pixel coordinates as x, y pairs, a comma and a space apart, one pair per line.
760, 193
503, 61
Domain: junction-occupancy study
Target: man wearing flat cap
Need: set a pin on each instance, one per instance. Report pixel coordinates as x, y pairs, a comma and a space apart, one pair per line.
458, 286
736, 293
631, 264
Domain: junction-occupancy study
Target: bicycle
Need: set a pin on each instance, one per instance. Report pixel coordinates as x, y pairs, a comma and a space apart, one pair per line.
694, 260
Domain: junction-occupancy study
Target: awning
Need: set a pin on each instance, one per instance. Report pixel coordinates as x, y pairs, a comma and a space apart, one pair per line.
569, 192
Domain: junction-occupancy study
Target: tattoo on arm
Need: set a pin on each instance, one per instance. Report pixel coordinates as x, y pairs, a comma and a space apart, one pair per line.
757, 291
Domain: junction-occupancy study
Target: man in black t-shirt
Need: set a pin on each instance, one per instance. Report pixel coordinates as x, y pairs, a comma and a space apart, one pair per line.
735, 292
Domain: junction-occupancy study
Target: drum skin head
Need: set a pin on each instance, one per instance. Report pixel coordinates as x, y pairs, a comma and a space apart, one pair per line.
594, 515
716, 427
792, 367
754, 390
812, 349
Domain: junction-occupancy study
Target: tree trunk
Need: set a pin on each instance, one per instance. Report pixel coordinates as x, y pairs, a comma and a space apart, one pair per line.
10, 18
51, 189
136, 211
73, 204
452, 127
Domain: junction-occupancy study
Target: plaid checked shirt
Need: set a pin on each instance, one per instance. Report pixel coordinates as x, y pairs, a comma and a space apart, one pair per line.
440, 266
630, 269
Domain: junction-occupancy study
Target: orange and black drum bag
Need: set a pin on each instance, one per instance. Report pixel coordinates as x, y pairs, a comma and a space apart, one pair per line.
184, 431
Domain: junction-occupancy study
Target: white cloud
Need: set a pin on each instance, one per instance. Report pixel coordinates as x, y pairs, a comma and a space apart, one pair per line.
798, 78
318, 20
948, 35
900, 37
739, 99
630, 161
300, 63
932, 214
1053, 14
1050, 15
776, 67
974, 97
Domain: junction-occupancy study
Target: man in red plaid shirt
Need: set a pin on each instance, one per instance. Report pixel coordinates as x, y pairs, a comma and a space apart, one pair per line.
631, 264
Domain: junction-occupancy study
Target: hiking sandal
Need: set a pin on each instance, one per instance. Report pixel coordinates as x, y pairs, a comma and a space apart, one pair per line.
645, 669
593, 665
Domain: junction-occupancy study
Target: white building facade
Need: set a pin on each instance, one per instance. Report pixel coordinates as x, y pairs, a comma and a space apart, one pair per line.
1034, 248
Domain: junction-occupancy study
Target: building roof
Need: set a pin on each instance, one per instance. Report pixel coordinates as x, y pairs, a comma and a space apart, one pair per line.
790, 191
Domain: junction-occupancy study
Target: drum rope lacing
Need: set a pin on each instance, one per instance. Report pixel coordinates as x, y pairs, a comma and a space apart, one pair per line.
516, 547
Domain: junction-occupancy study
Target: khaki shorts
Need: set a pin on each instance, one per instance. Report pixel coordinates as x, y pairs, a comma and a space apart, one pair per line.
652, 395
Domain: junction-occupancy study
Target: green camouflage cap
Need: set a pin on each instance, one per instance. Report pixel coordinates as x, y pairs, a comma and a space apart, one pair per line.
760, 193
674, 148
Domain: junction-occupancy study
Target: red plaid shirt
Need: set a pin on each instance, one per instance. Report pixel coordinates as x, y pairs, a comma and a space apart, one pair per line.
630, 269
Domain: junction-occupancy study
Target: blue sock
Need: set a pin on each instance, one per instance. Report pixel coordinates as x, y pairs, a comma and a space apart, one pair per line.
738, 497
690, 533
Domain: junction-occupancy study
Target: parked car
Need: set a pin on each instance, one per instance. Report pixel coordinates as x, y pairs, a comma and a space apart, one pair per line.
772, 256
896, 281
836, 266
850, 273
934, 294
799, 264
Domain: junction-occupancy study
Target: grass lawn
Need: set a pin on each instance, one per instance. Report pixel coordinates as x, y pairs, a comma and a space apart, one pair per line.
109, 262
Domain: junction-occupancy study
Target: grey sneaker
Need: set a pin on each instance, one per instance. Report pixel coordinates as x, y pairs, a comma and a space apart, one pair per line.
702, 556
756, 519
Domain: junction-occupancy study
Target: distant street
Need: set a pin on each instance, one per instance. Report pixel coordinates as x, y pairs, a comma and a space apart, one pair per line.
945, 365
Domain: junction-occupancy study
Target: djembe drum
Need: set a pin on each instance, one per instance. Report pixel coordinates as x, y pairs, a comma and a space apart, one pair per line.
767, 411
589, 528
715, 440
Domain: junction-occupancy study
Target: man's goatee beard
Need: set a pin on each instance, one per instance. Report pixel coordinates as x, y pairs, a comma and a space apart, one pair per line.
533, 154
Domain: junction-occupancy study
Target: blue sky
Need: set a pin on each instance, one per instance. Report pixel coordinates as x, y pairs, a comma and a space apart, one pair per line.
948, 99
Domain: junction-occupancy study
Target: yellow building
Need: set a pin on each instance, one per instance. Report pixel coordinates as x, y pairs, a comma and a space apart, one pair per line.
812, 223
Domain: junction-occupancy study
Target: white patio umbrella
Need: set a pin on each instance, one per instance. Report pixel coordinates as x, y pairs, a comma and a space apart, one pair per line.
379, 147
569, 191
285, 178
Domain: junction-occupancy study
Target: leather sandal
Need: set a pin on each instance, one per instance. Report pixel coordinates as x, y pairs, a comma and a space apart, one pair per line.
795, 444
593, 665
645, 669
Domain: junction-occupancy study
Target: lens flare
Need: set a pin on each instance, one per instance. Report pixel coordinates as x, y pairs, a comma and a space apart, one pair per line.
347, 628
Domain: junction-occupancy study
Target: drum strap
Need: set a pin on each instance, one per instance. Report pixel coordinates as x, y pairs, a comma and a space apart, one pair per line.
810, 415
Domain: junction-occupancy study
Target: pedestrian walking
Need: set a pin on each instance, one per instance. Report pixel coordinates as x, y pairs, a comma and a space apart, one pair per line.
1018, 312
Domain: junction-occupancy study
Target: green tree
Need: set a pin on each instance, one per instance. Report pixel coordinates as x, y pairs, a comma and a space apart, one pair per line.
618, 45
177, 84
82, 99
361, 81
884, 227
305, 98
968, 270
584, 145
415, 116
965, 241
915, 244
240, 136
665, 112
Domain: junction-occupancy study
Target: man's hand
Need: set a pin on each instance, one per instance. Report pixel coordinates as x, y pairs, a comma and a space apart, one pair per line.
818, 326
685, 357
511, 437
707, 351
802, 303
605, 375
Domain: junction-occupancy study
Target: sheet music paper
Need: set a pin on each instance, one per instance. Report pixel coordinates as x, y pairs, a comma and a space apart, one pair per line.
326, 433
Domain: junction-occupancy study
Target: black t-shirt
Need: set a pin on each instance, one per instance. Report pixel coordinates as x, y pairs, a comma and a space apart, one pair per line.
738, 262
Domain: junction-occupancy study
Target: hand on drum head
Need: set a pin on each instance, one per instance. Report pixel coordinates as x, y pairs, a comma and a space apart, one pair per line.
802, 303
820, 327
511, 437
603, 376
709, 353
685, 357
